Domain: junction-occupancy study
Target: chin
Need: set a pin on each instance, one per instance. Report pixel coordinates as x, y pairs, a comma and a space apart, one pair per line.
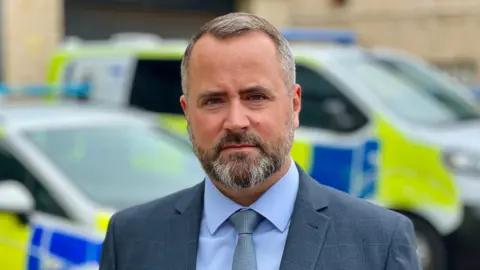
241, 156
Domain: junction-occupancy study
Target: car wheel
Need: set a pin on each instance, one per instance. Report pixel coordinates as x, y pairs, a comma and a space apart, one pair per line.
430, 246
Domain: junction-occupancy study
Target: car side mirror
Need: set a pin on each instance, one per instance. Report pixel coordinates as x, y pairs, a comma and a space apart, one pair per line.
16, 199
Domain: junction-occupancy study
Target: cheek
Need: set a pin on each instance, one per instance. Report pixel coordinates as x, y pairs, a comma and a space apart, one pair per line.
206, 129
270, 126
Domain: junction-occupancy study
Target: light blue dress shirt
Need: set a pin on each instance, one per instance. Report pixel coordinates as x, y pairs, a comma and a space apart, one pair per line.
218, 237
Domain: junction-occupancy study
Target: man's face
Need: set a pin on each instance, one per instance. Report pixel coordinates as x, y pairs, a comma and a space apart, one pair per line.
241, 116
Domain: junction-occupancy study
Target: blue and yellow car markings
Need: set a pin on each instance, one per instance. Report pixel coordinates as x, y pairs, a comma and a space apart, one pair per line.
349, 169
69, 249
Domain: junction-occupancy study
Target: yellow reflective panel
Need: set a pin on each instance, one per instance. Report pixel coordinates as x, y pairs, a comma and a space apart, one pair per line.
302, 152
14, 242
173, 122
411, 174
102, 220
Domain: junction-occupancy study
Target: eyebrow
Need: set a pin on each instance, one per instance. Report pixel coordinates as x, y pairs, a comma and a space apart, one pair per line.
256, 89
248, 90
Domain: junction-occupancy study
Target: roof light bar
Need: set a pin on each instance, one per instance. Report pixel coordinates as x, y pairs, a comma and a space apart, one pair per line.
38, 90
320, 35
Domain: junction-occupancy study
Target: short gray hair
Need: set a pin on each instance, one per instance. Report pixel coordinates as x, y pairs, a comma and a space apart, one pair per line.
235, 24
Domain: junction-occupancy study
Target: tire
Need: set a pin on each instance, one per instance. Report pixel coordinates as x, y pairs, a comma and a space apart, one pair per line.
431, 248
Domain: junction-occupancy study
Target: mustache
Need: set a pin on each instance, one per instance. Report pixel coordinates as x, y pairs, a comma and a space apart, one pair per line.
238, 138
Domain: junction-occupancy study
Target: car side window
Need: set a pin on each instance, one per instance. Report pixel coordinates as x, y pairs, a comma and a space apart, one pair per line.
157, 87
12, 169
324, 106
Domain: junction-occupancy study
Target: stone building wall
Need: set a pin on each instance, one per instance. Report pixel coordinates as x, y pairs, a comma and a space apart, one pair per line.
445, 32
442, 31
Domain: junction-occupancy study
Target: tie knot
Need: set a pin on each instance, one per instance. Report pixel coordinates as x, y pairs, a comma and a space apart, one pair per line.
246, 221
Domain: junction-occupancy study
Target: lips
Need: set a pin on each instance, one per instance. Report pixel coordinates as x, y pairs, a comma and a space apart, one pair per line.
238, 146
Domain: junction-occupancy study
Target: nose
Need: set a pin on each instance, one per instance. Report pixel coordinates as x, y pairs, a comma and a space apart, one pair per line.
237, 119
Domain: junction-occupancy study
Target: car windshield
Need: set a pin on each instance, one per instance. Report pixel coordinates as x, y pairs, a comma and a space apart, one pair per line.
120, 166
413, 92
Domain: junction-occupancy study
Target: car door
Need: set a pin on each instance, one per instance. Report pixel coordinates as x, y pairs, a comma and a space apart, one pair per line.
343, 148
14, 232
53, 239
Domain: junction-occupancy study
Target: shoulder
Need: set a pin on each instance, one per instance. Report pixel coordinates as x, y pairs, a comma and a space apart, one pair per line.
356, 207
346, 208
369, 219
140, 216
381, 236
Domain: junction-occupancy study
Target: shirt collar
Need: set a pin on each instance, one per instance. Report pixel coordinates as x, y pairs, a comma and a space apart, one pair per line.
276, 205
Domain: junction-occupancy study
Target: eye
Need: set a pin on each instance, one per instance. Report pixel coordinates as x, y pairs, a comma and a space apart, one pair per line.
212, 101
256, 97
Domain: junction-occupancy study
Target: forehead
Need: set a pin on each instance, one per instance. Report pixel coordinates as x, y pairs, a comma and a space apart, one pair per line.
247, 56
252, 38
252, 45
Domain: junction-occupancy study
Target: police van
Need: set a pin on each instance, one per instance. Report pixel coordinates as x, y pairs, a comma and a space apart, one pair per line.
66, 168
379, 124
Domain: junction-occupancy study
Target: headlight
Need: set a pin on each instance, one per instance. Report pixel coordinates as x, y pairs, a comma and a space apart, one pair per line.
462, 162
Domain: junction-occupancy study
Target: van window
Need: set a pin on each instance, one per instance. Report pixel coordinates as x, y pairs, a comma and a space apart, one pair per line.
324, 105
412, 92
157, 86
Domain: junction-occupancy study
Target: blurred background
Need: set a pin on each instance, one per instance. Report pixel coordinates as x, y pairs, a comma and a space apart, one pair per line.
90, 121
443, 32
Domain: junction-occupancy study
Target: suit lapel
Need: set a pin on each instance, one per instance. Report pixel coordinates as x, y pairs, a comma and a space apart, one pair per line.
304, 243
183, 231
308, 226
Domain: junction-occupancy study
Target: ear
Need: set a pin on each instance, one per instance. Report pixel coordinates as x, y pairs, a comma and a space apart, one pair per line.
183, 103
296, 103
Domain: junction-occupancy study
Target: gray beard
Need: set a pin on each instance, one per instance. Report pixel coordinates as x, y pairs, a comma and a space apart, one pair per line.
240, 174
241, 170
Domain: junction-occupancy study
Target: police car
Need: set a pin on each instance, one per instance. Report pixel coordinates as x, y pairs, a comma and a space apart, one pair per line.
65, 168
377, 123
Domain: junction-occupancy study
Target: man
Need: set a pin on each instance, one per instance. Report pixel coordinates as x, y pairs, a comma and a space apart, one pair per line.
256, 208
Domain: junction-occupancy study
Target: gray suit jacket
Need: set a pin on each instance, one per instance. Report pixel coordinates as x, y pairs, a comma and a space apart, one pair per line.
329, 230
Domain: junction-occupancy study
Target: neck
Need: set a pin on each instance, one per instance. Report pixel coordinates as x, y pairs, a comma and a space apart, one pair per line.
247, 196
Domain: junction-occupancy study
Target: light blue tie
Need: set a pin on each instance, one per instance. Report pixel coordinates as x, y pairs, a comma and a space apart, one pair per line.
245, 222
